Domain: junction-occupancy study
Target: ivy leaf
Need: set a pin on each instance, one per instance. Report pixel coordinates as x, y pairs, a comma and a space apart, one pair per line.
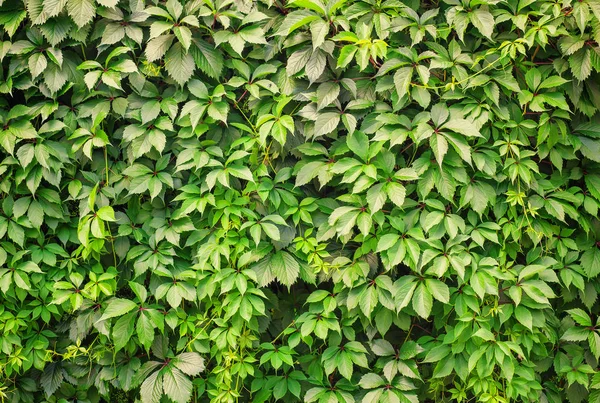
145, 330
157, 47
371, 381
439, 145
396, 193
123, 330
463, 127
37, 64
575, 334
315, 65
308, 172
358, 142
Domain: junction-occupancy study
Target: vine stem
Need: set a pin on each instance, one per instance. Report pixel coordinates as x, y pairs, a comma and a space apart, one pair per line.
106, 163
237, 106
535, 52
210, 320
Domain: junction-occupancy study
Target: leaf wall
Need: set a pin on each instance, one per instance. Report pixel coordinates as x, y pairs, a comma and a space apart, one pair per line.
309, 200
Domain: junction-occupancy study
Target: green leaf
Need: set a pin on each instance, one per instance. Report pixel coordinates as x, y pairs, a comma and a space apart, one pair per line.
524, 316
439, 145
151, 389
484, 334
358, 142
580, 316
81, 11
402, 80
590, 261
581, 64
145, 330
422, 301
483, 20
189, 363
346, 56
438, 290
285, 267
52, 378
157, 47
396, 193
149, 111
106, 213
371, 381
463, 127
326, 94
241, 172
117, 307
315, 65
308, 172
37, 64
54, 77
326, 123
207, 58
218, 111
376, 198
575, 334
179, 64
295, 20
177, 386
122, 330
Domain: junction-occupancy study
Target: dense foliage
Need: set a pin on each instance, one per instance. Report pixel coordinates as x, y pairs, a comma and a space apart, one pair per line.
309, 200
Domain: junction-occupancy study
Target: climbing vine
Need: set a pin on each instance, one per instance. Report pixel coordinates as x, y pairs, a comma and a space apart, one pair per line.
301, 201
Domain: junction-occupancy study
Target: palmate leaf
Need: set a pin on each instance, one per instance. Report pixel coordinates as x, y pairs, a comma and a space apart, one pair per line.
182, 179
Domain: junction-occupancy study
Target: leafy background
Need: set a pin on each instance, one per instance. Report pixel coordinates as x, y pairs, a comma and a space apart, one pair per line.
319, 201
